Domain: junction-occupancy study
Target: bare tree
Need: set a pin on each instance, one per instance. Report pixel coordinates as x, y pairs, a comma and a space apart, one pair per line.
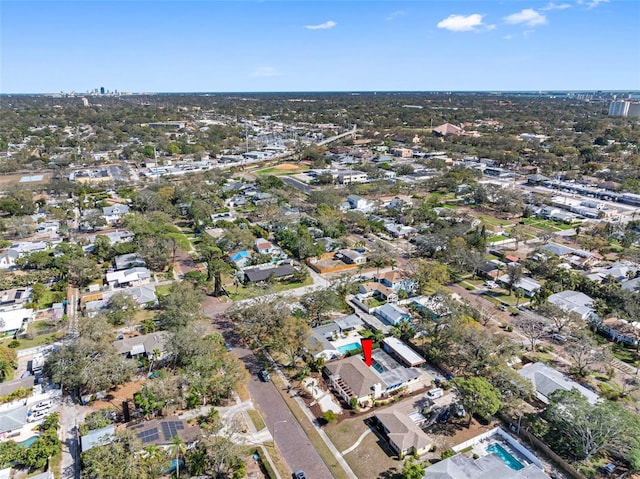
559, 317
532, 327
584, 353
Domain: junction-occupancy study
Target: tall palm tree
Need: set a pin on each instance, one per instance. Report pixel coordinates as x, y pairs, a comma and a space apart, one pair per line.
178, 449
378, 263
154, 459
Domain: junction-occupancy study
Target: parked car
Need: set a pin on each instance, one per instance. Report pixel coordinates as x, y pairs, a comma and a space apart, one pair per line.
228, 346
444, 416
435, 393
491, 284
37, 416
264, 375
458, 410
299, 474
42, 406
559, 337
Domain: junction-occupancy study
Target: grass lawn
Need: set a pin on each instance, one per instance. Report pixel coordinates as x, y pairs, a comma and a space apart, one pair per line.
246, 292
41, 340
163, 290
505, 298
282, 172
491, 220
495, 239
547, 225
256, 419
625, 354
49, 297
369, 459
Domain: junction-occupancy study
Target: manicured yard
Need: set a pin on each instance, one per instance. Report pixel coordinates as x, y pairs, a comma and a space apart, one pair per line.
490, 220
495, 239
162, 290
251, 291
41, 340
547, 225
49, 297
369, 459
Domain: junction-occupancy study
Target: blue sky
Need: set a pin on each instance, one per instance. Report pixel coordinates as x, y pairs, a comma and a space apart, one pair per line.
167, 46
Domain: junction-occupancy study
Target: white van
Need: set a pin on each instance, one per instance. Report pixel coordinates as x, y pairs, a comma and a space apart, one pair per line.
435, 393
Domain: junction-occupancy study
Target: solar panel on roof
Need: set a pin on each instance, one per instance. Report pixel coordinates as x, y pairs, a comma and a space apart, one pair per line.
149, 436
170, 428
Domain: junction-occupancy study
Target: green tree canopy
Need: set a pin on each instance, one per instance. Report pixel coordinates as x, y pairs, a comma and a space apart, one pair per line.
478, 396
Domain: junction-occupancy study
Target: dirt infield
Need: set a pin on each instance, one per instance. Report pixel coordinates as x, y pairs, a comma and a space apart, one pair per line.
287, 166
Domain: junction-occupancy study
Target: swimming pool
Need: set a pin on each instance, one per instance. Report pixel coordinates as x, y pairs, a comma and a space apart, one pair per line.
344, 349
27, 442
505, 456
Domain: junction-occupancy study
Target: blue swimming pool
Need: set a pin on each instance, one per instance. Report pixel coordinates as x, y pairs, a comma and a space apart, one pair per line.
505, 456
344, 349
28, 442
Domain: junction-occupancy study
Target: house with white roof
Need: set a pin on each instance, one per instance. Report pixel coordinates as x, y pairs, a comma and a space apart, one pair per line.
546, 380
128, 277
15, 319
574, 302
528, 286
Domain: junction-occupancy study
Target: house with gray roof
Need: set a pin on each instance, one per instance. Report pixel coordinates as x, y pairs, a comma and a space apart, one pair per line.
13, 419
574, 302
547, 380
392, 314
113, 214
145, 344
97, 437
126, 261
262, 273
490, 466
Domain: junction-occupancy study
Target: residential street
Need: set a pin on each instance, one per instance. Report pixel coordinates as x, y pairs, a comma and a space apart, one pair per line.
291, 440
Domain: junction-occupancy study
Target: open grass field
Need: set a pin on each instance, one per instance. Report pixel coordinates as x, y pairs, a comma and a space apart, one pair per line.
547, 225
283, 169
7, 181
493, 221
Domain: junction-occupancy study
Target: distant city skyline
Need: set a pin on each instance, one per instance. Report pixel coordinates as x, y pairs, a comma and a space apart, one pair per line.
290, 46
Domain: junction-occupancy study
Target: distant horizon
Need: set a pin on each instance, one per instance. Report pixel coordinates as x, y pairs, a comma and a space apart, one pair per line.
172, 46
112, 93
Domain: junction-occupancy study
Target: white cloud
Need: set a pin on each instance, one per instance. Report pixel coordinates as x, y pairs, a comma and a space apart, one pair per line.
394, 15
528, 16
461, 23
595, 3
264, 72
322, 26
556, 6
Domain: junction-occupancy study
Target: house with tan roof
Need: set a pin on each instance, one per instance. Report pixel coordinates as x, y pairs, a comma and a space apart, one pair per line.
448, 129
401, 426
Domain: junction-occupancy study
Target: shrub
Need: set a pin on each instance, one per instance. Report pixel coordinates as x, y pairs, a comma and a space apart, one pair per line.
13, 344
353, 403
447, 454
329, 416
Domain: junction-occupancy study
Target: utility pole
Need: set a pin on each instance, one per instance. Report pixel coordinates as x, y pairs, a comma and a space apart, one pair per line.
155, 157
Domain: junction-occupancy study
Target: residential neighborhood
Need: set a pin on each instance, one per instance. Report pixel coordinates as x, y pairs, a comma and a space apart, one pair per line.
270, 292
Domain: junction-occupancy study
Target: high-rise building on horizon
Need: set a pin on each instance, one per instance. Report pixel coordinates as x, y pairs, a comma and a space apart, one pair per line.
624, 108
102, 90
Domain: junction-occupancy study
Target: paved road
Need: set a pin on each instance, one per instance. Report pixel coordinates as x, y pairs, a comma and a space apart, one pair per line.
70, 416
299, 185
292, 441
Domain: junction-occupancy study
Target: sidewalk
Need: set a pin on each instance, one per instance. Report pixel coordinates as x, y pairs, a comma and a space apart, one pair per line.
303, 407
